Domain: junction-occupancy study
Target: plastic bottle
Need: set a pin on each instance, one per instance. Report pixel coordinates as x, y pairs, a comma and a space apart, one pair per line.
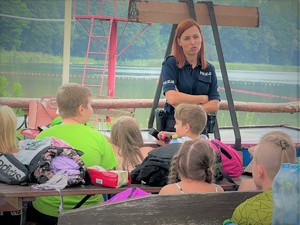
286, 195
228, 222
174, 139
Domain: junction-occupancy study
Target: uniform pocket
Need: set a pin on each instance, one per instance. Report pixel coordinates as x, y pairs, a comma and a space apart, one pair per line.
202, 85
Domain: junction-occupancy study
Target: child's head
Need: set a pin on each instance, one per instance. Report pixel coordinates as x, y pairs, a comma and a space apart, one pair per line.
189, 118
273, 149
126, 134
194, 161
72, 99
8, 121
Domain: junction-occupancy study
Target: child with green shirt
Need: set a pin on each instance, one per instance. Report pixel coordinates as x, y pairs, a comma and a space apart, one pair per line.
74, 104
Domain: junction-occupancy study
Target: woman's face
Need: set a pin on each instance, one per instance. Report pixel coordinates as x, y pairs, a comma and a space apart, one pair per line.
190, 41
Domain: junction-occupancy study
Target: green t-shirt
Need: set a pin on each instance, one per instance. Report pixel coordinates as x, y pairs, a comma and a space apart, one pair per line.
97, 151
255, 210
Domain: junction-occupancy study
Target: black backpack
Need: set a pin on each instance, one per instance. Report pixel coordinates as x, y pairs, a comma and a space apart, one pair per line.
154, 169
12, 171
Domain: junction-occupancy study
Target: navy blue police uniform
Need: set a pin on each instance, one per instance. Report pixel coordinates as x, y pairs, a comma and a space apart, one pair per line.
187, 80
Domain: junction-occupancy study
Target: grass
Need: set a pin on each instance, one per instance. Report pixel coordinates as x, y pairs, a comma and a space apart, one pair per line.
10, 57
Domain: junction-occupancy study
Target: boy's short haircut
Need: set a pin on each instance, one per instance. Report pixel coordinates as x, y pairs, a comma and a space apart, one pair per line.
69, 97
191, 114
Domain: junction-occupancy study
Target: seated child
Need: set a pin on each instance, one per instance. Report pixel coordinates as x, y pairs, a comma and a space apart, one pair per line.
74, 102
8, 145
273, 149
128, 143
190, 121
248, 184
193, 165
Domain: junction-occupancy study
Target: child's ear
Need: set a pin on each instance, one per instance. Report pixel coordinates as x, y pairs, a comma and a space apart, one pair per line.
260, 171
187, 127
81, 109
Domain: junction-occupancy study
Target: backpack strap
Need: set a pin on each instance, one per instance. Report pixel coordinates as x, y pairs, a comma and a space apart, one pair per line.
230, 180
131, 193
222, 149
85, 198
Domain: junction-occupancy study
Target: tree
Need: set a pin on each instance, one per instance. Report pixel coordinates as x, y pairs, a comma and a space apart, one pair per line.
11, 29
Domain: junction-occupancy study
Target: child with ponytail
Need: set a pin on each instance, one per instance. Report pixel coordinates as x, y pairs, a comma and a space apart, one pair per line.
193, 165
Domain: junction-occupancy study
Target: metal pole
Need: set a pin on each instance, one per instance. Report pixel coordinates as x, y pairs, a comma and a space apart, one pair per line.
159, 84
234, 121
112, 58
67, 40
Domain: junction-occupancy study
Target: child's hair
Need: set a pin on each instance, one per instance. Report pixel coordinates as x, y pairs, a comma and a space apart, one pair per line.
194, 160
69, 97
191, 114
274, 149
8, 138
126, 134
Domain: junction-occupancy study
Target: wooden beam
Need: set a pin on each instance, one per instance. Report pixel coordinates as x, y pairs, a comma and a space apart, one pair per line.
264, 107
174, 12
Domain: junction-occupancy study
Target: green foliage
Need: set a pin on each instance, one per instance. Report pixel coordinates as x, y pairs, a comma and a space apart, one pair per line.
17, 90
3, 87
275, 41
10, 91
14, 91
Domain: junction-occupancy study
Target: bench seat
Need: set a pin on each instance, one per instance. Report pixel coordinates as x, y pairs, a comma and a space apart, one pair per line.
201, 208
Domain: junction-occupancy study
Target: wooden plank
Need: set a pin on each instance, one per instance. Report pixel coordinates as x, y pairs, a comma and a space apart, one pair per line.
174, 12
17, 191
10, 204
115, 112
203, 208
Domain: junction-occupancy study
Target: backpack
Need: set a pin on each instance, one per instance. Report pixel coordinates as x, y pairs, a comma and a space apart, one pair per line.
231, 160
154, 169
39, 155
129, 193
12, 171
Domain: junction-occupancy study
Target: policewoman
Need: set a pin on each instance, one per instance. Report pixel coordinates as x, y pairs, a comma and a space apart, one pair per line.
186, 75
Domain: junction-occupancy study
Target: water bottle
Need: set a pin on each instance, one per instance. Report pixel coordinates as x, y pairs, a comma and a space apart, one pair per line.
228, 222
174, 139
298, 156
286, 195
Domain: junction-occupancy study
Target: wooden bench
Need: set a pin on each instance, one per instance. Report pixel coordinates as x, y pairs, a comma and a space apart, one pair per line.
202, 208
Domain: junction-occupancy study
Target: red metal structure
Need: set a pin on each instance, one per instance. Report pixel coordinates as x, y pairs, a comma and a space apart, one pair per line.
103, 39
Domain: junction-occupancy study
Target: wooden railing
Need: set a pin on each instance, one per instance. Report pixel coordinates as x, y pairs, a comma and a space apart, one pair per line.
287, 107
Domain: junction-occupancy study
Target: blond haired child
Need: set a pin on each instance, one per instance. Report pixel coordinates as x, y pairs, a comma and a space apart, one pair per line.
129, 145
274, 149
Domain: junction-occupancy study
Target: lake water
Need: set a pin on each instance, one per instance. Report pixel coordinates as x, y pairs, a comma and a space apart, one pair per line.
141, 82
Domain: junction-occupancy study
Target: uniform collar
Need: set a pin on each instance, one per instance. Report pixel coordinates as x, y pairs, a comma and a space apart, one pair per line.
186, 63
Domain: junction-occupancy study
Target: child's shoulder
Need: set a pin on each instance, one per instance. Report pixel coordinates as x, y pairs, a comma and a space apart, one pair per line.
169, 189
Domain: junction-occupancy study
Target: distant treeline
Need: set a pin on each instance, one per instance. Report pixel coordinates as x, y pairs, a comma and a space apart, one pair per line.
276, 41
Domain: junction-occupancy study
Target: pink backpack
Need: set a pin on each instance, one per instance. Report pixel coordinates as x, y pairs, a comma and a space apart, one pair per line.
129, 193
231, 159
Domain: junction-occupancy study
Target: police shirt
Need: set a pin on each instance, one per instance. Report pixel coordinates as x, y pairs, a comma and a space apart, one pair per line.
188, 80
